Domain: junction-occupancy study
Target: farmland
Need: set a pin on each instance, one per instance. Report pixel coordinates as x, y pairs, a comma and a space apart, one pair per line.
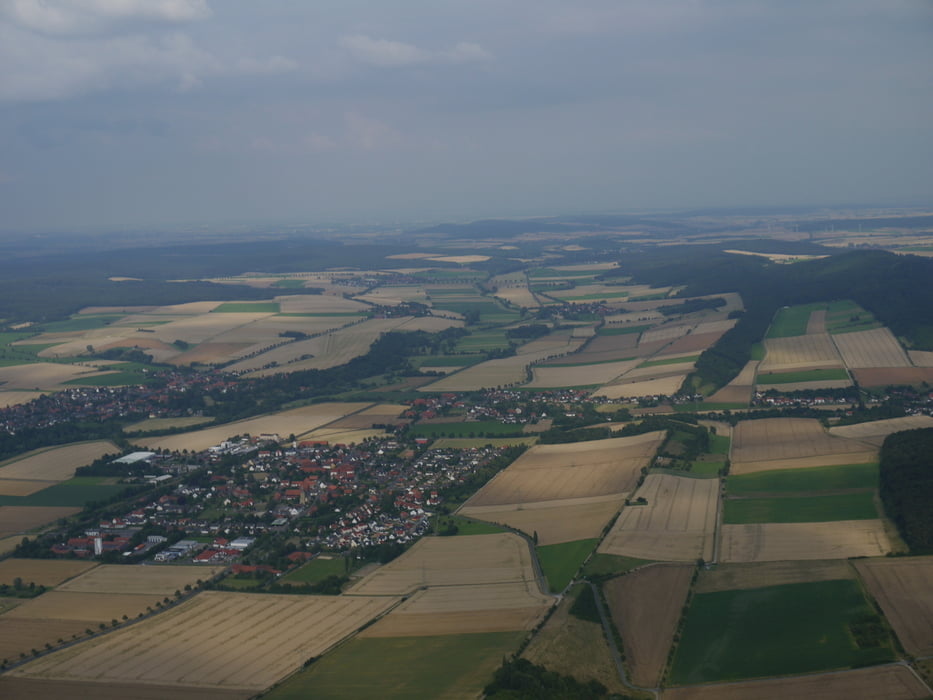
646, 607
579, 470
777, 630
159, 581
800, 541
846, 476
902, 588
809, 351
276, 634
800, 509
876, 431
560, 562
676, 524
38, 689
22, 519
730, 577
42, 572
874, 348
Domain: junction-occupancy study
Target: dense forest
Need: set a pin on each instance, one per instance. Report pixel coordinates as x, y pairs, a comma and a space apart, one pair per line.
907, 486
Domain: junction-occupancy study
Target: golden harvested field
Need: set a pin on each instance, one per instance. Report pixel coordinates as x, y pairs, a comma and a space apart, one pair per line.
666, 386
56, 464
797, 541
580, 375
802, 351
646, 605
12, 398
15, 520
874, 348
788, 443
210, 353
677, 524
153, 580
8, 544
892, 682
575, 647
452, 561
508, 370
500, 607
16, 487
693, 343
46, 376
206, 327
884, 376
379, 414
39, 689
730, 577
577, 470
42, 572
342, 437
320, 304
297, 420
22, 635
876, 431
665, 332
920, 358
658, 371
904, 589
566, 520
228, 640
89, 608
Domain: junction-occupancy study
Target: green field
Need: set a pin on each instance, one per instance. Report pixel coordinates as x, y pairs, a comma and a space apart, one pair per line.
560, 562
707, 467
810, 375
806, 509
779, 630
719, 444
315, 571
289, 284
848, 317
792, 320
247, 307
670, 361
479, 428
481, 341
75, 492
621, 330
844, 476
401, 668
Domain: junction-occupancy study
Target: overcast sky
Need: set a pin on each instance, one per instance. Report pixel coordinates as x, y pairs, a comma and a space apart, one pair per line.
143, 113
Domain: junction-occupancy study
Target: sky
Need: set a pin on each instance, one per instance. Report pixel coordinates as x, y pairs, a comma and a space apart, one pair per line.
148, 113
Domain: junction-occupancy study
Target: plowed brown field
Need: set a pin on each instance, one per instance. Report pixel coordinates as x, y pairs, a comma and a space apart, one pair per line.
904, 589
795, 541
646, 606
885, 376
888, 682
677, 524
578, 470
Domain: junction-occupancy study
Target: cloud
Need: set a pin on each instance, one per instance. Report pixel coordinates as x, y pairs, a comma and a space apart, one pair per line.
386, 53
274, 65
69, 17
368, 134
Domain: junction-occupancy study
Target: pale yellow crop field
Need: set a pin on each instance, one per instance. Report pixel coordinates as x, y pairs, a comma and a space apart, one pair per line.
787, 443
577, 470
190, 645
54, 464
580, 375
877, 430
792, 541
42, 572
666, 332
677, 524
12, 398
44, 376
903, 588
816, 350
875, 348
15, 520
320, 304
92, 608
920, 358
664, 386
18, 487
452, 561
154, 580
297, 420
565, 520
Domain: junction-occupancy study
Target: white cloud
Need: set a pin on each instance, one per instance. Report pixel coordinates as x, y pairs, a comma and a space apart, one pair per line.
385, 53
83, 16
368, 134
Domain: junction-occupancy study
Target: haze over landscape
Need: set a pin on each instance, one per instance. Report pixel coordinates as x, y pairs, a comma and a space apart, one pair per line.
482, 351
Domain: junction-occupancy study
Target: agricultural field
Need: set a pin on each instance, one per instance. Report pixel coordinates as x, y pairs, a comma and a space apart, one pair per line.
153, 424
297, 420
665, 386
560, 562
646, 606
508, 370
45, 376
54, 464
42, 572
740, 389
454, 666
803, 541
677, 523
15, 520
577, 470
90, 609
790, 443
452, 561
570, 645
805, 481
876, 431
887, 376
802, 352
75, 492
903, 589
800, 509
579, 375
892, 682
778, 630
37, 689
733, 577
871, 349
792, 321
187, 645
150, 580
556, 521
602, 348
12, 398
381, 413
